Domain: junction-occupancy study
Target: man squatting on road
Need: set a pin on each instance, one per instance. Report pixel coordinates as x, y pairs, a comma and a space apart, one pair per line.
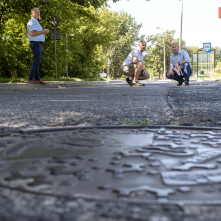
179, 66
36, 37
132, 67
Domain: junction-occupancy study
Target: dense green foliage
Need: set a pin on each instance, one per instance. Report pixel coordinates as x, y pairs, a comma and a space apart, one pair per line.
218, 56
97, 34
154, 59
218, 61
127, 33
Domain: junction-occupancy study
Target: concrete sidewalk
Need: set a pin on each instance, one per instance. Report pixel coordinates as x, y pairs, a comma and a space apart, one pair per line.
50, 84
69, 84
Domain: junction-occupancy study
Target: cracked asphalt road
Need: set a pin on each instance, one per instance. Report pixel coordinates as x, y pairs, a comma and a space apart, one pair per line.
162, 103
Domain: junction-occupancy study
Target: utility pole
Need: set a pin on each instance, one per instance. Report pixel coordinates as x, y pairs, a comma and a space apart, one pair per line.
164, 53
181, 23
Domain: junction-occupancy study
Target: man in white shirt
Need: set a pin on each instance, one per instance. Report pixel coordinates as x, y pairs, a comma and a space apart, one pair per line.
133, 66
180, 67
36, 37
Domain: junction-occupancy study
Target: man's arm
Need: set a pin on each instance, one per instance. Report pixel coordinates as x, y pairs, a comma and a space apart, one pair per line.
179, 63
135, 60
186, 59
171, 65
36, 33
171, 71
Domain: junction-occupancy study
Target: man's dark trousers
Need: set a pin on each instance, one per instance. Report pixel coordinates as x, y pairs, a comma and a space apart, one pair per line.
37, 50
186, 72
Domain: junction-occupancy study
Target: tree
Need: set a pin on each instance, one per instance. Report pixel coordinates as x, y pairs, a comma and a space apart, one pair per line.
126, 34
9, 8
92, 43
94, 28
14, 14
10, 32
218, 56
154, 58
85, 49
15, 53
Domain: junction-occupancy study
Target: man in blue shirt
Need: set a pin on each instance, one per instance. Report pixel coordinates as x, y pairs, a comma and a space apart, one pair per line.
179, 66
36, 37
133, 66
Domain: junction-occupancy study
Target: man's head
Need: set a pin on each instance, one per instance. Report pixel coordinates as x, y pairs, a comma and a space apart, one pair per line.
35, 13
175, 48
142, 46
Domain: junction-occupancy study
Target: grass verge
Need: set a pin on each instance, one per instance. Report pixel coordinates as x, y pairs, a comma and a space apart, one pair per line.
133, 122
22, 80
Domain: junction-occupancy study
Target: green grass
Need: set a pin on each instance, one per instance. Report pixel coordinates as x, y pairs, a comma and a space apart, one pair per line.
133, 122
12, 80
218, 75
73, 79
213, 75
22, 80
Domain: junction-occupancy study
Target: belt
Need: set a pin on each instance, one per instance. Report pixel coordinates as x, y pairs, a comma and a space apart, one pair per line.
41, 42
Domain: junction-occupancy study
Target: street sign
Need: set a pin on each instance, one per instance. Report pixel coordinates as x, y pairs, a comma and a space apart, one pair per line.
55, 21
54, 32
206, 47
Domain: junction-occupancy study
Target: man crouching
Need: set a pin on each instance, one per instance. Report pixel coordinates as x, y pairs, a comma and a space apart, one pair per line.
132, 67
180, 67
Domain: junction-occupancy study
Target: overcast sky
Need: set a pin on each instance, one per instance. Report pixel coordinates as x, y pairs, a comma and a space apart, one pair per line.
200, 18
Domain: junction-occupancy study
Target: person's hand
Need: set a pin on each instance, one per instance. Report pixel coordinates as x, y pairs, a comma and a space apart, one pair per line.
147, 76
171, 72
144, 73
46, 31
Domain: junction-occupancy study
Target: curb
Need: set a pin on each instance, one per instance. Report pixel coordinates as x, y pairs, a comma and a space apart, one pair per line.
119, 127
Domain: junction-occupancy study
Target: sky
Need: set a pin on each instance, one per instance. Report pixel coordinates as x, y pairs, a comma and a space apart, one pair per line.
201, 23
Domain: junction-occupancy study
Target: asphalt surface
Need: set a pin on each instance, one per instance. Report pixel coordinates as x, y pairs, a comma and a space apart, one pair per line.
101, 103
61, 142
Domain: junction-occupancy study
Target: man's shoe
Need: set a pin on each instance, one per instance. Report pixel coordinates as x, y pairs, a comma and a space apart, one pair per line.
137, 84
186, 83
129, 82
180, 83
33, 82
41, 82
